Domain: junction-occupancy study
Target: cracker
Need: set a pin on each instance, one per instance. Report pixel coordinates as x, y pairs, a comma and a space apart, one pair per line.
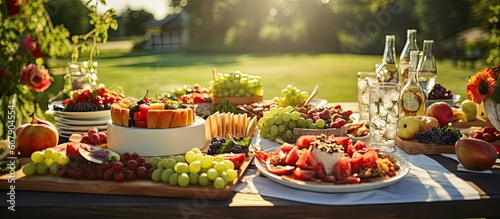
252, 127
229, 123
219, 124
213, 125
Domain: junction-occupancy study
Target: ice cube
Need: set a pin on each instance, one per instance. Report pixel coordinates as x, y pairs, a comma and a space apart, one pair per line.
377, 122
391, 132
392, 117
393, 95
376, 95
362, 84
382, 110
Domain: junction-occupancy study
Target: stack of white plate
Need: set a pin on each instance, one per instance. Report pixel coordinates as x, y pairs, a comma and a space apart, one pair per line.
71, 122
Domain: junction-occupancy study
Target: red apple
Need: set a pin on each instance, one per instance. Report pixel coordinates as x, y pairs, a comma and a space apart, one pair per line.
441, 111
475, 154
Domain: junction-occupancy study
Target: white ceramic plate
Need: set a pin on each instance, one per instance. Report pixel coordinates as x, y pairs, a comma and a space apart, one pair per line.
65, 133
84, 115
332, 188
101, 121
66, 127
79, 115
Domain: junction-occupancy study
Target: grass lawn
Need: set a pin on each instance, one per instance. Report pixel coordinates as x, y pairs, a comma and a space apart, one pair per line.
334, 73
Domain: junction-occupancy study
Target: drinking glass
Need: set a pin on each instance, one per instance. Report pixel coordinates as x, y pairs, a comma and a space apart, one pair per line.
383, 115
365, 78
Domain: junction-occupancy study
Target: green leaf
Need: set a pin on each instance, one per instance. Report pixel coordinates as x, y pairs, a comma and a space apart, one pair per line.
225, 146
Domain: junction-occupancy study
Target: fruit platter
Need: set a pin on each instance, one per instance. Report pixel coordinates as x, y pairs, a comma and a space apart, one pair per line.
83, 168
307, 166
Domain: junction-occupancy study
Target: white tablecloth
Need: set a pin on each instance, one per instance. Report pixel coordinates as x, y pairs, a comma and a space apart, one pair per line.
427, 181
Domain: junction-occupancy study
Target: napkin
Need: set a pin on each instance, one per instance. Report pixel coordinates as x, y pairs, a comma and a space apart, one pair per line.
426, 181
461, 167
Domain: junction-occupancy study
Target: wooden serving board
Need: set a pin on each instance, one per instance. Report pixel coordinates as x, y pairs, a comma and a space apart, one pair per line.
414, 147
476, 123
139, 187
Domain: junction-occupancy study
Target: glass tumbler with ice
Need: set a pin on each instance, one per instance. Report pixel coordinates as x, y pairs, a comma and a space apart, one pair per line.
364, 80
383, 115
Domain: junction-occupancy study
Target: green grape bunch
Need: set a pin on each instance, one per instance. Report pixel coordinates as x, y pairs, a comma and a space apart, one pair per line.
278, 123
236, 84
292, 96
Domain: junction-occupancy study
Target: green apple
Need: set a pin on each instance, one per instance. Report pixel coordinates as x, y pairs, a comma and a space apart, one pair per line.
470, 110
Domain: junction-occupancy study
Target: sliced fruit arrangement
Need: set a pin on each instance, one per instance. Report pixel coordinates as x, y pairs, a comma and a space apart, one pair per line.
195, 168
194, 94
83, 100
151, 113
357, 163
190, 94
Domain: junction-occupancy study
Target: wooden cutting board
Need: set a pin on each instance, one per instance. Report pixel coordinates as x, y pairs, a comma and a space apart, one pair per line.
139, 187
414, 147
476, 123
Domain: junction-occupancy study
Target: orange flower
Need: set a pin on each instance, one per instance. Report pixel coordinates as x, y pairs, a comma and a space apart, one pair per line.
482, 85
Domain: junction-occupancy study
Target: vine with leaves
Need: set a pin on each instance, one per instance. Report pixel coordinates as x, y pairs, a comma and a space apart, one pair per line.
99, 34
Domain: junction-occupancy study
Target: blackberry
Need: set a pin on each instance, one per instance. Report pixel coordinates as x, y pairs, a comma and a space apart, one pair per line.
236, 149
84, 107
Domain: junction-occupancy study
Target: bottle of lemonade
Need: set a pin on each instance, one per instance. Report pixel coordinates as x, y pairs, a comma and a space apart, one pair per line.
412, 99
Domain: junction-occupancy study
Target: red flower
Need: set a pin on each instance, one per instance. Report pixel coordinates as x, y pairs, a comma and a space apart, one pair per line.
28, 45
37, 77
13, 7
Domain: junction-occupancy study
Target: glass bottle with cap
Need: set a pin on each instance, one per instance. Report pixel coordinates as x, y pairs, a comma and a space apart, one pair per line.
387, 71
427, 70
404, 59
